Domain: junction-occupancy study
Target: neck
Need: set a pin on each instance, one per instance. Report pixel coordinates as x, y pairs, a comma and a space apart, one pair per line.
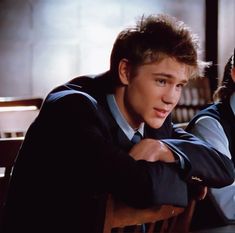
120, 99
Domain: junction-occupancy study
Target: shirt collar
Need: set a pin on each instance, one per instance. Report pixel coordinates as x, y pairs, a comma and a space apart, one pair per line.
121, 121
232, 102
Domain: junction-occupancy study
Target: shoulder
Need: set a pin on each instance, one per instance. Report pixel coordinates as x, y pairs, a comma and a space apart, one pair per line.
208, 123
82, 96
71, 98
212, 110
83, 88
210, 113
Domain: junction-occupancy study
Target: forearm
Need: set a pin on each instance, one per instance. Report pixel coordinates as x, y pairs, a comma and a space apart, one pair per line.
203, 164
152, 150
165, 154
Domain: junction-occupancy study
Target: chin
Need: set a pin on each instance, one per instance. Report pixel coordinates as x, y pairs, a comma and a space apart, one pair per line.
156, 125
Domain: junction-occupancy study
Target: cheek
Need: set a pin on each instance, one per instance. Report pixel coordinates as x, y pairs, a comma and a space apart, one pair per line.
140, 95
178, 95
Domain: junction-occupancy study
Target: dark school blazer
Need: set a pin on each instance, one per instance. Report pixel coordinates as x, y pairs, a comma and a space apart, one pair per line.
74, 153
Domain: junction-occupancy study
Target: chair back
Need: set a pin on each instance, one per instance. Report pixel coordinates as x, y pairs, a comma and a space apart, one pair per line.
16, 115
9, 148
119, 215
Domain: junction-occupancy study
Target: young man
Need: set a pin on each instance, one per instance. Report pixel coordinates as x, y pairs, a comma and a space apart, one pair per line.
216, 125
80, 146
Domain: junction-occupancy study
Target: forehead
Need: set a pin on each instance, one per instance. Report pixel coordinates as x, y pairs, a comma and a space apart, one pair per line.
168, 67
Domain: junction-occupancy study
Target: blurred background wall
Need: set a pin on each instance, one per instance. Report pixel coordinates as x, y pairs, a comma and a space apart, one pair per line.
44, 43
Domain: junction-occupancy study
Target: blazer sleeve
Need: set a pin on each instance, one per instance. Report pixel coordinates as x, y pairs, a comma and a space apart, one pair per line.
204, 164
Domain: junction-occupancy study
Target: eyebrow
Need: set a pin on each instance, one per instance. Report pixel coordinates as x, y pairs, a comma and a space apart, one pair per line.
169, 76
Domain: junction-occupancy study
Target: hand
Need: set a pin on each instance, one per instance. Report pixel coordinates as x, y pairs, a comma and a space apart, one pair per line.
151, 150
198, 192
202, 192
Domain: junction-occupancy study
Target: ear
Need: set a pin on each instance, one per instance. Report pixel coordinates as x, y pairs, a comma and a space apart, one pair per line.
123, 70
233, 74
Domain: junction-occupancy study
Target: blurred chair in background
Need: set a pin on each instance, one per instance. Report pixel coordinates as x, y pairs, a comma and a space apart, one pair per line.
16, 115
9, 148
195, 96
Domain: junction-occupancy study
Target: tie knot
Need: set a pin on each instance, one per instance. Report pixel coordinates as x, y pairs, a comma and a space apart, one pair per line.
137, 137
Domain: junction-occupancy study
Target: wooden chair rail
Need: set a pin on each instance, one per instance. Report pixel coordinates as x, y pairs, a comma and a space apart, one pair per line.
175, 219
140, 216
16, 115
17, 101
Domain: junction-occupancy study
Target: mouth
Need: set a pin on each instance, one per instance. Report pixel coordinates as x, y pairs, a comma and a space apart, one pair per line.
161, 113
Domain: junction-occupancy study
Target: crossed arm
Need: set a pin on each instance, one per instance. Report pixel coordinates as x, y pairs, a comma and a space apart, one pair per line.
153, 150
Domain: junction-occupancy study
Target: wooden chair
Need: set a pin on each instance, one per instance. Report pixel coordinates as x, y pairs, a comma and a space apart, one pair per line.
16, 115
9, 148
174, 219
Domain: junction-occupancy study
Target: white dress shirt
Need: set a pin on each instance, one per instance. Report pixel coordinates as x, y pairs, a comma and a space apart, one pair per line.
121, 121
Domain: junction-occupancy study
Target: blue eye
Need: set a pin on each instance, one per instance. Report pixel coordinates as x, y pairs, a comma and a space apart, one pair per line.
161, 82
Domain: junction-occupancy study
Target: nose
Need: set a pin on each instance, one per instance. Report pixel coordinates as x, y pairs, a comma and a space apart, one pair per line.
171, 96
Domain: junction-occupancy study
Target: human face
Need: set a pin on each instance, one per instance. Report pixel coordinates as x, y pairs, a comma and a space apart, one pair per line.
152, 94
